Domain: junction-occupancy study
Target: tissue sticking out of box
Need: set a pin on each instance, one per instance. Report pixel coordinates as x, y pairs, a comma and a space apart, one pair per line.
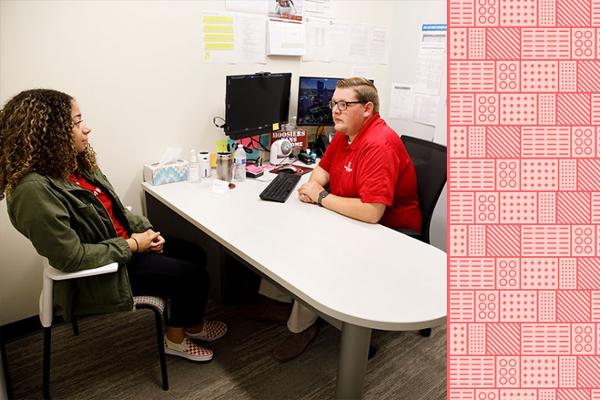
169, 169
170, 155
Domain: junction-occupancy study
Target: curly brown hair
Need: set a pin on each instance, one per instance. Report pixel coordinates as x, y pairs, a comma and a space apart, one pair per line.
36, 136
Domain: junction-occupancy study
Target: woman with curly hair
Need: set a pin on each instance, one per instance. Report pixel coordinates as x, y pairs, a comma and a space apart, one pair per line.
60, 200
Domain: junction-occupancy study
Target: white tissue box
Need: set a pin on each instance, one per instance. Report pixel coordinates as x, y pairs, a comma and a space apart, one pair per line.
159, 174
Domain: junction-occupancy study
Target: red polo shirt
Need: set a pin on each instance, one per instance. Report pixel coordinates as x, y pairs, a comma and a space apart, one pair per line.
376, 168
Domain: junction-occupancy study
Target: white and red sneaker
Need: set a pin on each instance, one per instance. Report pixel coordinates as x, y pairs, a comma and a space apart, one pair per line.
211, 331
188, 349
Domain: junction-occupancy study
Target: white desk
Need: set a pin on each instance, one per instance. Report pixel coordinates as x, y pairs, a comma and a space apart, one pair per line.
364, 275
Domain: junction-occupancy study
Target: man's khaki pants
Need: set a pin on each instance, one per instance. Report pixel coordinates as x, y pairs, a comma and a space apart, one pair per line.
301, 318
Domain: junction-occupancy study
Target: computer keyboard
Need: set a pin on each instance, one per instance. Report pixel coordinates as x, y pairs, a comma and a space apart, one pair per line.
280, 188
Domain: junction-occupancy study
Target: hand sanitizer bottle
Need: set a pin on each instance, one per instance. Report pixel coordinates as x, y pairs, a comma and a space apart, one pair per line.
204, 162
239, 164
194, 168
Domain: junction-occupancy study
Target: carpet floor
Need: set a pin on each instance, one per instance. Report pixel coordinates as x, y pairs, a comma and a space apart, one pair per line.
115, 357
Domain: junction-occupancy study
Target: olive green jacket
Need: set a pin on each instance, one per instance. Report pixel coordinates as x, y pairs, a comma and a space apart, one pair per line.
71, 228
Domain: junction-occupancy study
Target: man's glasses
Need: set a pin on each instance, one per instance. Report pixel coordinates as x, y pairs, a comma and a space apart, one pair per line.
342, 105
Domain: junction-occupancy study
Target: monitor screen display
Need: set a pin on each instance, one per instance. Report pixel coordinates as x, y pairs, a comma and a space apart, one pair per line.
314, 94
256, 104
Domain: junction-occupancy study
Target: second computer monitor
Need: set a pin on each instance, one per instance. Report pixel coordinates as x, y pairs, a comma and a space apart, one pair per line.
314, 94
256, 103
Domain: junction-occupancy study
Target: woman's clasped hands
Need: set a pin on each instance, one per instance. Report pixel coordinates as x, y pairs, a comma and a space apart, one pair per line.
146, 242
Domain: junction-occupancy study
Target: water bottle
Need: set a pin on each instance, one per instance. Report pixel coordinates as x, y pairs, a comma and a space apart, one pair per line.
194, 168
291, 125
239, 164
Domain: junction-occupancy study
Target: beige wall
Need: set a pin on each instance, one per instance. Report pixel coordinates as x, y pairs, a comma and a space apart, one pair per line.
409, 16
136, 69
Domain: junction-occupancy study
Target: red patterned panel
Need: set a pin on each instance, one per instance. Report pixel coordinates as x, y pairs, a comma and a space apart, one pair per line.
573, 13
539, 76
503, 339
573, 306
458, 44
503, 44
573, 109
573, 207
588, 74
503, 142
545, 44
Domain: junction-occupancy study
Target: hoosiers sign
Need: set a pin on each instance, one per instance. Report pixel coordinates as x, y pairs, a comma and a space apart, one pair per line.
298, 138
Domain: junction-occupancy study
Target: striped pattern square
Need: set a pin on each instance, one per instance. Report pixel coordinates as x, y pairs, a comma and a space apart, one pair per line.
573, 207
503, 339
573, 109
572, 13
503, 44
503, 142
588, 173
588, 73
503, 241
573, 305
588, 273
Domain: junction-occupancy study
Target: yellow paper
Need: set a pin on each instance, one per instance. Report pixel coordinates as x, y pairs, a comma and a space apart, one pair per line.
276, 126
217, 19
218, 46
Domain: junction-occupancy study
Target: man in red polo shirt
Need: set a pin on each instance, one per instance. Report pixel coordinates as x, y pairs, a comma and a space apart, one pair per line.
370, 177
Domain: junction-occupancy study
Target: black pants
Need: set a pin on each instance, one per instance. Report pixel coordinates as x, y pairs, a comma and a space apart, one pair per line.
179, 274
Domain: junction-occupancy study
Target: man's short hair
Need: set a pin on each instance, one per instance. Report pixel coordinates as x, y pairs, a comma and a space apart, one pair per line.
364, 89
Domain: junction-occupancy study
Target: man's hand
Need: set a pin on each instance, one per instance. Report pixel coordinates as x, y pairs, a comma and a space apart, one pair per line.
309, 192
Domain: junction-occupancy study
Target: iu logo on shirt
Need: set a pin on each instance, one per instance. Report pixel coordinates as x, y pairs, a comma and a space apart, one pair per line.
348, 167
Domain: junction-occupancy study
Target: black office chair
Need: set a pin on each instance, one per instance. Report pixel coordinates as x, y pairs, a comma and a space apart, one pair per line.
429, 160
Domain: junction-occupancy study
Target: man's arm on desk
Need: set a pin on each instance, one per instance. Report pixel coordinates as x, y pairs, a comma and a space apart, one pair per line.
320, 176
350, 207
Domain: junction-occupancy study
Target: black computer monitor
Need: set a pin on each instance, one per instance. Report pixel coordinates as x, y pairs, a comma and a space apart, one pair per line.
256, 104
314, 94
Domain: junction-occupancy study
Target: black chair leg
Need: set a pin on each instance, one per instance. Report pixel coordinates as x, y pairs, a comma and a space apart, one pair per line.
7, 380
161, 349
425, 332
166, 313
75, 326
46, 373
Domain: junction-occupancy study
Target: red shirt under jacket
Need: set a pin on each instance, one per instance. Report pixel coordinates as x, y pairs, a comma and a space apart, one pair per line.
104, 199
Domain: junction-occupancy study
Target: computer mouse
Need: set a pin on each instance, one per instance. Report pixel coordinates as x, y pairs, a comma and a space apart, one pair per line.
288, 169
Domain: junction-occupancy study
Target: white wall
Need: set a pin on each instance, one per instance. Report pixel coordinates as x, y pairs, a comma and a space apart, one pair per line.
409, 15
136, 69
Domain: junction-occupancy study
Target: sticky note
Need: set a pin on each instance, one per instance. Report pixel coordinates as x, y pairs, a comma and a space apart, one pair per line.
221, 145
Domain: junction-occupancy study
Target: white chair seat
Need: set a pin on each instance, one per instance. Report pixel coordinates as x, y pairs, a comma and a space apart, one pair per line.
151, 301
46, 313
